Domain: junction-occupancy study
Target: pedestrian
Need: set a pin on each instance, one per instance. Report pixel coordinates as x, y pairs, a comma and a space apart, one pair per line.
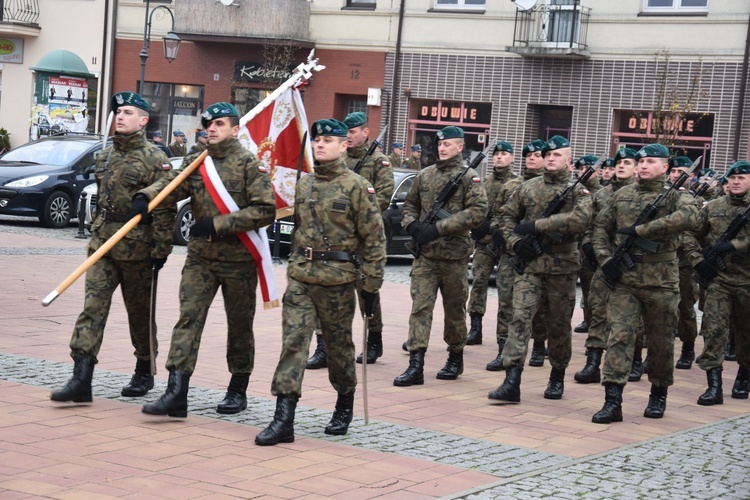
397, 155
130, 164
336, 217
414, 162
178, 146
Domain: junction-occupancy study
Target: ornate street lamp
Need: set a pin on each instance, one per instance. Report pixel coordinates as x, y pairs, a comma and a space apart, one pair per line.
171, 41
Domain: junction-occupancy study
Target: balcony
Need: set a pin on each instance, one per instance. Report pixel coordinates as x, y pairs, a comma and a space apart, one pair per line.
19, 18
248, 21
552, 31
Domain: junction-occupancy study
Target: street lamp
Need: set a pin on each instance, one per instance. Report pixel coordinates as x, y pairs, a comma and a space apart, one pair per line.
171, 41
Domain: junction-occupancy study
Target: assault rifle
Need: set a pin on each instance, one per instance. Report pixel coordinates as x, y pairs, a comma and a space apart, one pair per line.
622, 252
490, 247
436, 210
552, 208
370, 150
704, 183
717, 258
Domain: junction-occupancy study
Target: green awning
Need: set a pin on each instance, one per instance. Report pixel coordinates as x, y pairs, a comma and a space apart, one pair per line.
62, 62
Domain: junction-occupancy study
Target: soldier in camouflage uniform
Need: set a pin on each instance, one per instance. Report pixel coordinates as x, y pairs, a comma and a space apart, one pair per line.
444, 247
549, 276
650, 290
607, 175
338, 241
414, 162
217, 258
728, 293
130, 164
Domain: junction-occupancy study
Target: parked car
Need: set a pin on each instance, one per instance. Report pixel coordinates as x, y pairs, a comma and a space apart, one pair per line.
43, 178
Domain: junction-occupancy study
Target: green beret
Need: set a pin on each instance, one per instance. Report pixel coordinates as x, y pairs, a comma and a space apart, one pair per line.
502, 146
609, 162
356, 119
555, 142
738, 167
624, 153
129, 99
655, 150
680, 161
586, 160
328, 126
217, 110
532, 147
450, 132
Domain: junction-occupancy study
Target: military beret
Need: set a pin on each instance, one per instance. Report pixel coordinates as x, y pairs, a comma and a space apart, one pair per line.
586, 160
201, 133
329, 126
623, 153
217, 110
157, 134
129, 99
555, 142
416, 147
532, 147
449, 132
738, 167
502, 146
723, 180
609, 162
397, 145
356, 119
178, 132
680, 161
655, 150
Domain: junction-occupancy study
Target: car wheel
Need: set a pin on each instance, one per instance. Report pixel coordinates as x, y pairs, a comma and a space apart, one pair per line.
57, 210
183, 223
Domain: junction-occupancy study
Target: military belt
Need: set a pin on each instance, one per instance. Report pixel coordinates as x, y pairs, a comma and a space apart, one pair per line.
569, 247
310, 254
224, 238
652, 258
114, 216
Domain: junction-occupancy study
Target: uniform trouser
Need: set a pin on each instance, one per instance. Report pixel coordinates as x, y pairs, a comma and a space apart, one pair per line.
102, 279
658, 308
530, 292
539, 324
506, 276
304, 305
481, 268
687, 326
374, 324
427, 277
201, 279
585, 275
726, 307
598, 326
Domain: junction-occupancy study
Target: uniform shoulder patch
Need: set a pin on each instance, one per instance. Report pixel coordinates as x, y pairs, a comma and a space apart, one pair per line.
386, 163
263, 168
370, 189
476, 179
166, 166
585, 191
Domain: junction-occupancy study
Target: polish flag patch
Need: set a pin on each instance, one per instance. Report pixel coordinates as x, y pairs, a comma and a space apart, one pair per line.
370, 189
166, 166
263, 168
476, 180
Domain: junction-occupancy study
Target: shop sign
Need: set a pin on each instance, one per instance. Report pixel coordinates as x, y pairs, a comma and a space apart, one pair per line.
11, 50
256, 72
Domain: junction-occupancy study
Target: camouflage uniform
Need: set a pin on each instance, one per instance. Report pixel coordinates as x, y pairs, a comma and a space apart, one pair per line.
539, 324
585, 274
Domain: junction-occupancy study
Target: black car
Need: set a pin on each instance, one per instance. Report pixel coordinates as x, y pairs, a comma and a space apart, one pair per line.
44, 178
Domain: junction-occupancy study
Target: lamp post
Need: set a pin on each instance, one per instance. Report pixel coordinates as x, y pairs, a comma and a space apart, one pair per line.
171, 41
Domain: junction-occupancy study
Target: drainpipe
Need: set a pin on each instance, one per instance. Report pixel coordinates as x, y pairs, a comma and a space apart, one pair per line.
396, 68
107, 55
741, 100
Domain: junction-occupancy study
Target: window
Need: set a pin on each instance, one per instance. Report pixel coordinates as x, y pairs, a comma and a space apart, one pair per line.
675, 5
460, 4
354, 105
361, 3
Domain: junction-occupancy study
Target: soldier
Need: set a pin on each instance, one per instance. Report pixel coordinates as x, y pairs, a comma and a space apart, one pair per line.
336, 217
158, 138
415, 160
201, 142
650, 290
397, 155
607, 174
728, 293
218, 258
178, 146
444, 250
551, 275
130, 164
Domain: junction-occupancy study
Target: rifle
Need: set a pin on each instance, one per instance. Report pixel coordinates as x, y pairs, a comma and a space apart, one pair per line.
717, 258
622, 252
552, 208
490, 247
704, 183
436, 210
370, 150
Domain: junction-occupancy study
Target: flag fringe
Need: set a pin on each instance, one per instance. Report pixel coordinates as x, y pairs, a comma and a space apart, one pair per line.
271, 304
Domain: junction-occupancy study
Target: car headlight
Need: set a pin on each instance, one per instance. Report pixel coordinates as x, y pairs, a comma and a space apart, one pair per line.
28, 181
90, 189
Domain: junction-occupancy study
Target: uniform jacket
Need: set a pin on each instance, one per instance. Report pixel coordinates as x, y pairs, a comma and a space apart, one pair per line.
376, 169
197, 148
396, 160
600, 200
178, 149
413, 163
493, 184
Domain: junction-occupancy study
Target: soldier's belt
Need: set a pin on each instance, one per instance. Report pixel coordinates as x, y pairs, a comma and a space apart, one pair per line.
310, 254
569, 247
224, 238
652, 258
114, 216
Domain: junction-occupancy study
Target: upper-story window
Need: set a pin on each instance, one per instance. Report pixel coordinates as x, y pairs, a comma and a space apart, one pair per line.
360, 3
675, 5
460, 4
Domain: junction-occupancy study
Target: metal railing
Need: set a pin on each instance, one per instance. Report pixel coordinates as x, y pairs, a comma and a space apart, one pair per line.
559, 26
19, 11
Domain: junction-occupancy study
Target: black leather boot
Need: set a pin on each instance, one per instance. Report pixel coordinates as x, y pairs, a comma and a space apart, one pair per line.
414, 375
657, 402
741, 387
174, 401
582, 328
281, 429
713, 395
687, 356
475, 333
590, 373
454, 366
403, 346
141, 382
730, 354
318, 359
636, 371
510, 390
537, 354
496, 365
374, 347
612, 409
556, 384
342, 415
78, 388
235, 400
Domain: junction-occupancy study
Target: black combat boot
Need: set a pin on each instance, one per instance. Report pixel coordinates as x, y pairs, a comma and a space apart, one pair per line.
537, 354
235, 400
414, 375
454, 366
730, 354
590, 373
741, 387
342, 415
403, 346
141, 382
374, 347
78, 388
510, 390
657, 402
281, 430
636, 370
496, 365
582, 328
556, 384
174, 401
318, 359
475, 333
687, 356
612, 409
713, 395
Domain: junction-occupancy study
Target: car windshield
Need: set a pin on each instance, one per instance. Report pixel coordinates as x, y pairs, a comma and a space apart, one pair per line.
56, 153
